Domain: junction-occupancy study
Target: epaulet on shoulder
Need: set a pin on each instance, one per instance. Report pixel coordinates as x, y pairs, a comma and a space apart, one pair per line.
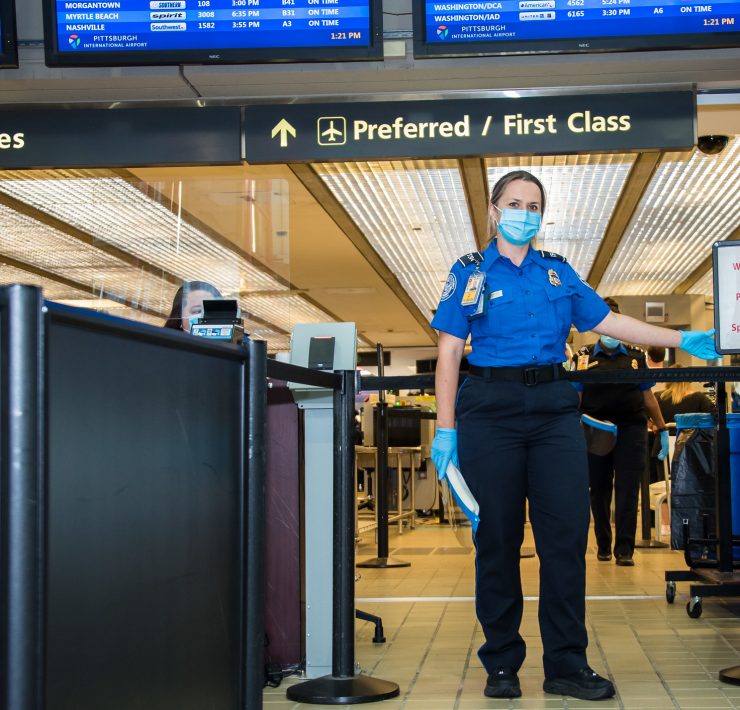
474, 257
636, 348
552, 255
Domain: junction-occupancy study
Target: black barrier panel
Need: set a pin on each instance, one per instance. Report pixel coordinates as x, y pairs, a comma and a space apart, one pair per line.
144, 575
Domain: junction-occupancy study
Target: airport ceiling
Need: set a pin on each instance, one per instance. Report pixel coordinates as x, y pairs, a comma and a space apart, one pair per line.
369, 242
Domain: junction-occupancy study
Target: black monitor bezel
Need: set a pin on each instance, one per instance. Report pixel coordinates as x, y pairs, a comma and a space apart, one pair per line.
9, 38
583, 45
214, 56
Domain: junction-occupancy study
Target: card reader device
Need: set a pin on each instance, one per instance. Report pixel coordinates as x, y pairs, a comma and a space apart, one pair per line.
221, 320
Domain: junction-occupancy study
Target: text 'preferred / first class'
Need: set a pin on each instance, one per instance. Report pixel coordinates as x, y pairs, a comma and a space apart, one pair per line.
510, 124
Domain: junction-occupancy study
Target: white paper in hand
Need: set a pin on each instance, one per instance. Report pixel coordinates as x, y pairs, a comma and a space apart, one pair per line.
462, 494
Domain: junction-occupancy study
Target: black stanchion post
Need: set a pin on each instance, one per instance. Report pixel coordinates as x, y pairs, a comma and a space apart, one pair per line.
22, 480
254, 525
343, 687
343, 637
383, 560
723, 483
647, 541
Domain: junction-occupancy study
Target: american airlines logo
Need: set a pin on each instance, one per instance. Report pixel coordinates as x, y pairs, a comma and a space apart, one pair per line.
167, 5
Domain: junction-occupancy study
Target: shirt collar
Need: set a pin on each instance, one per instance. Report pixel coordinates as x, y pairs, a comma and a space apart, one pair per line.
619, 349
491, 253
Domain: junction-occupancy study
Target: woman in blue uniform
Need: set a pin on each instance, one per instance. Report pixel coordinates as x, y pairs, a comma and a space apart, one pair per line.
514, 429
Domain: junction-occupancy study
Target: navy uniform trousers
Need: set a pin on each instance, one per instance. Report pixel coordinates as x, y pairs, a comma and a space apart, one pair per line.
623, 469
517, 442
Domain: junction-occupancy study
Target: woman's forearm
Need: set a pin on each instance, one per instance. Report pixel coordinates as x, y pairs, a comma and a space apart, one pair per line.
446, 376
635, 331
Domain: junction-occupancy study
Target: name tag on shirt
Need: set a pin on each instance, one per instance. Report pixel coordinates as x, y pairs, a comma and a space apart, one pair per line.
496, 294
473, 289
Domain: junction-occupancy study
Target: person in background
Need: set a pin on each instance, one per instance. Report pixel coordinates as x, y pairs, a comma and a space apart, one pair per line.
683, 398
515, 420
187, 305
656, 361
628, 406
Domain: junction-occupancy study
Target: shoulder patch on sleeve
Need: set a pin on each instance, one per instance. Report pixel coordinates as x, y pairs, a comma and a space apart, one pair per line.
450, 286
474, 257
552, 255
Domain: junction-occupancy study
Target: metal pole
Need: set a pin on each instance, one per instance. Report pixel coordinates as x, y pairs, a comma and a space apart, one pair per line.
381, 476
381, 485
343, 687
22, 501
255, 524
723, 483
647, 541
343, 636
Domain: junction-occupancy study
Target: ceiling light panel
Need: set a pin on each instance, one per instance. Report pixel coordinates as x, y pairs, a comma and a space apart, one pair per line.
581, 192
691, 202
704, 286
61, 293
116, 212
284, 311
31, 242
413, 213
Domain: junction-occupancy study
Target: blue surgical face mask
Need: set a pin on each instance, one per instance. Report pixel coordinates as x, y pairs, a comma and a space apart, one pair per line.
192, 320
608, 342
518, 227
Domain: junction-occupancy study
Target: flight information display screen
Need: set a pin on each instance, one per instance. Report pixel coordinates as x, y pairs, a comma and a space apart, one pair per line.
8, 39
118, 32
464, 27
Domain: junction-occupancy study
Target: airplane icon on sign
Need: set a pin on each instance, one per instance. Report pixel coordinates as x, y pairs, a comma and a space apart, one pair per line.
331, 130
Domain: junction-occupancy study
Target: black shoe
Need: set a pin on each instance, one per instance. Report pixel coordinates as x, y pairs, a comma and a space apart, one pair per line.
585, 685
625, 560
604, 555
503, 683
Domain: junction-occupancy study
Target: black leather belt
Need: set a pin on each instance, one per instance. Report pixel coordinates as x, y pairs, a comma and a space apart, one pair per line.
528, 376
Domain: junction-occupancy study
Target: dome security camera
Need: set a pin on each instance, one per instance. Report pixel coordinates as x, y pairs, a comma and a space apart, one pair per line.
712, 145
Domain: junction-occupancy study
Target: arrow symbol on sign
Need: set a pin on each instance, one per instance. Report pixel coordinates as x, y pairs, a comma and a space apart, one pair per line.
284, 129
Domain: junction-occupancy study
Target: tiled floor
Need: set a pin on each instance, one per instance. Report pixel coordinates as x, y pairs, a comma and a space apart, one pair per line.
657, 656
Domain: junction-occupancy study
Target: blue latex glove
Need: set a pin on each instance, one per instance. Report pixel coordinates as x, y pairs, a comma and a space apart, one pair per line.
444, 450
663, 445
699, 343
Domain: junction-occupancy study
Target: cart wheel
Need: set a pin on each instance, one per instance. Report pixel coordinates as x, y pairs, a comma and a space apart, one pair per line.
670, 592
693, 607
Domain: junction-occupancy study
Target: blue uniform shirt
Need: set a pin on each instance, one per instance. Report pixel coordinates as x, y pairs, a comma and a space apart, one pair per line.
636, 359
530, 309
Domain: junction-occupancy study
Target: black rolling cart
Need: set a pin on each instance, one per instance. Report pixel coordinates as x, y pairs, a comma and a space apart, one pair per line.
713, 575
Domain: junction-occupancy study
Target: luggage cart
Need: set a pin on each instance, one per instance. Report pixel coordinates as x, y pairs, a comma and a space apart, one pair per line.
714, 571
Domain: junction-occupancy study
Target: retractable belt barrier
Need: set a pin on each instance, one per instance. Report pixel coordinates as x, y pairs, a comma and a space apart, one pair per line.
684, 374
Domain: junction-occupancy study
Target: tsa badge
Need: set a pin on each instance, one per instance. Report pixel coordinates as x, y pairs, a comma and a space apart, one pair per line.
554, 278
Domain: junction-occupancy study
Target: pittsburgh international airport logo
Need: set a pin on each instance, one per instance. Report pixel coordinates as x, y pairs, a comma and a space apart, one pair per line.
74, 41
442, 32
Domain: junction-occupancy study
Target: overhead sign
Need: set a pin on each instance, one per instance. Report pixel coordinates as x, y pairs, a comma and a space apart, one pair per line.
120, 137
726, 262
470, 127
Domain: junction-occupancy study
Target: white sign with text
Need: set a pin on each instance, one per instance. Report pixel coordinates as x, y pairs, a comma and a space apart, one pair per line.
726, 261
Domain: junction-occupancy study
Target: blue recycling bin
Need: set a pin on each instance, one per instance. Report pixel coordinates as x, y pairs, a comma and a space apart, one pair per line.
733, 426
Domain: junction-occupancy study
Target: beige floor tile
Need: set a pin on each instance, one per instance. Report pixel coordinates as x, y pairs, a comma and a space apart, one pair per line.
653, 651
